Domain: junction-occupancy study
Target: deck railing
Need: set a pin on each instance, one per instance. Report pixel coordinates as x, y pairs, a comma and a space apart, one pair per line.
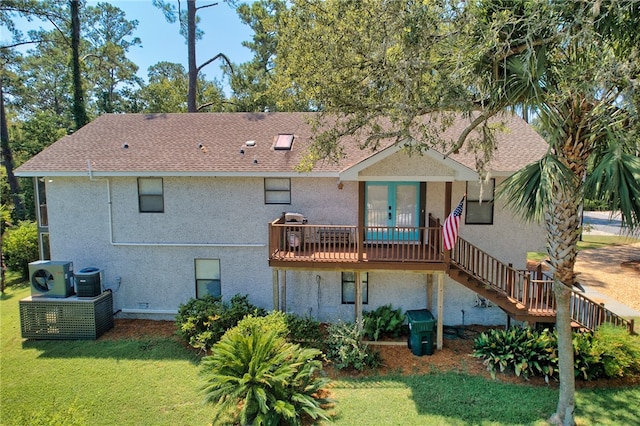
303, 242
530, 294
533, 290
590, 315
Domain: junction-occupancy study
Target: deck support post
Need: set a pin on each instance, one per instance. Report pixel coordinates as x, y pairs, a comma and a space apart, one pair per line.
283, 291
439, 325
276, 288
430, 292
358, 302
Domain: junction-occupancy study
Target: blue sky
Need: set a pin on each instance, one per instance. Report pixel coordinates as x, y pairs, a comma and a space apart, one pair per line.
161, 41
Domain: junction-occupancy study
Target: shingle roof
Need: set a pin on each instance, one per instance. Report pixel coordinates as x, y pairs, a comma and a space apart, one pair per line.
211, 143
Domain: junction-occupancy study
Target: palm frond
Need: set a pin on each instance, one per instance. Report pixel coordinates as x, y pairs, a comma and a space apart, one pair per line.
616, 181
529, 191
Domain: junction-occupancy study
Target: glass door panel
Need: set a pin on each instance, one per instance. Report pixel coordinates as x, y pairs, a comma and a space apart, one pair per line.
392, 211
406, 212
378, 211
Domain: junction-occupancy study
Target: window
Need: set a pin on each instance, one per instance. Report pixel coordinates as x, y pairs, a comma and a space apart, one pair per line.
208, 277
43, 220
45, 251
480, 212
349, 287
41, 201
277, 191
150, 195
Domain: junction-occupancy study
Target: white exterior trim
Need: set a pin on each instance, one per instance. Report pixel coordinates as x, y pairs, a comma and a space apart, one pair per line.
460, 172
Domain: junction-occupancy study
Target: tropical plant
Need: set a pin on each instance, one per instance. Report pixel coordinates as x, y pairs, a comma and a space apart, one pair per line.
384, 320
524, 351
586, 363
275, 321
255, 376
346, 349
305, 331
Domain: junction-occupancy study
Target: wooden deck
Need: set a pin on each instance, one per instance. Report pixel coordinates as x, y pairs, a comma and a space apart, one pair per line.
376, 247
523, 295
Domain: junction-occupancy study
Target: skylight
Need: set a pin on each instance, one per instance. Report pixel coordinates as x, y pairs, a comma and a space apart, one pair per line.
283, 142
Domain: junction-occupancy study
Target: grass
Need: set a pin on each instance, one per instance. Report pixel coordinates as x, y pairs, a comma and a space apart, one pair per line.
128, 382
155, 381
591, 242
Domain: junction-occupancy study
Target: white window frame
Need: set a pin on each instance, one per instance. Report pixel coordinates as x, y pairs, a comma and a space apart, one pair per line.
150, 191
277, 190
480, 211
207, 277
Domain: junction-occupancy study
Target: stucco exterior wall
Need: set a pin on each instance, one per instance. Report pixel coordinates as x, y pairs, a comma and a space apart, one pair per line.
149, 261
148, 258
319, 295
508, 239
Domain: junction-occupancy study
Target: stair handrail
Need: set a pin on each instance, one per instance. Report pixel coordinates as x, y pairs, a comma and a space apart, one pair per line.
528, 290
586, 312
492, 272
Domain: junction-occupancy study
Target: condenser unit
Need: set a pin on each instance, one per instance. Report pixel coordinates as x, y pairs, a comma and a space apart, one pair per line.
51, 278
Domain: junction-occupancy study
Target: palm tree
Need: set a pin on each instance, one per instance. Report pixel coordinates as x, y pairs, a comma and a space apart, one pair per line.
585, 115
553, 190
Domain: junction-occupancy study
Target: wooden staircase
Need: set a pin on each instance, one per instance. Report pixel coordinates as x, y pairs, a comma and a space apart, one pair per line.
523, 295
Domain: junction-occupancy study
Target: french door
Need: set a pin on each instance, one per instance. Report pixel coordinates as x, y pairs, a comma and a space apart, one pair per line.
392, 211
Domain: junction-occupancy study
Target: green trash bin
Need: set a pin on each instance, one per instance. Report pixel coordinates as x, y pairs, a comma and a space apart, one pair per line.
422, 326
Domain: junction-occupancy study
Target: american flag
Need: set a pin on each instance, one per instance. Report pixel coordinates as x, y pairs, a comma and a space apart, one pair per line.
451, 225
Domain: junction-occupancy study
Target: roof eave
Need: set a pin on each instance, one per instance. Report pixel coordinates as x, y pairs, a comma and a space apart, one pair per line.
158, 173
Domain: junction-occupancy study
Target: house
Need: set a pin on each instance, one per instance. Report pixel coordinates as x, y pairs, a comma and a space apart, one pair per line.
175, 206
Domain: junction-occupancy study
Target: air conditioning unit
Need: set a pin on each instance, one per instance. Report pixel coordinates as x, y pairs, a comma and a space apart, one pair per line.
88, 282
51, 278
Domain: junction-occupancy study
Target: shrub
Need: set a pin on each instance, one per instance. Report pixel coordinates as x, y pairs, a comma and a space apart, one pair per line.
254, 376
523, 350
305, 331
619, 352
273, 322
202, 322
587, 364
383, 321
346, 349
20, 247
608, 352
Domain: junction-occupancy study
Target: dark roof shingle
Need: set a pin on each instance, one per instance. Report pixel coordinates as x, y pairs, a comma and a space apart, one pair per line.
211, 143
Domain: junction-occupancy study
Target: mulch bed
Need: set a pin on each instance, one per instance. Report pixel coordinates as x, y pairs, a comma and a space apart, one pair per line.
397, 358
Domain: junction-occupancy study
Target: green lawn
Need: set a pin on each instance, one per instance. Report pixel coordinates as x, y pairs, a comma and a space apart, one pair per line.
155, 382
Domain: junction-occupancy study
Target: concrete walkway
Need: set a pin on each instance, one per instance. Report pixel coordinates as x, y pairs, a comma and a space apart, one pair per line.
603, 223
